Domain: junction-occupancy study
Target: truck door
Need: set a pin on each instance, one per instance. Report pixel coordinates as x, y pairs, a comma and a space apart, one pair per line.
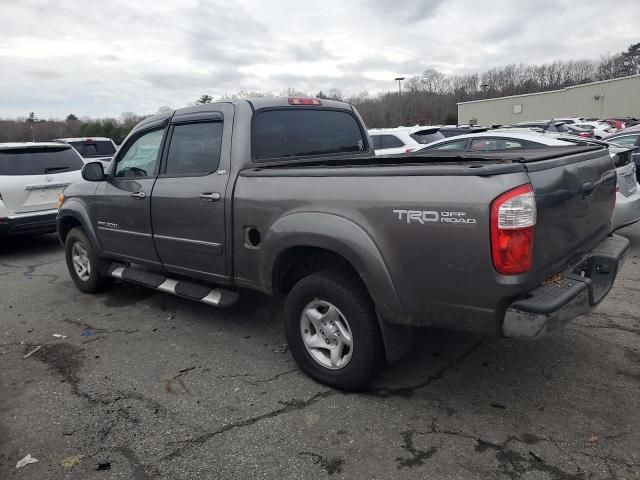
123, 217
188, 199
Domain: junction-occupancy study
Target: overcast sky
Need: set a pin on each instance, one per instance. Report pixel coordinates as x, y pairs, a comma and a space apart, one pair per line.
104, 58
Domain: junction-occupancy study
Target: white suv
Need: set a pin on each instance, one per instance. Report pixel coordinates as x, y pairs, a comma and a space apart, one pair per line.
31, 177
388, 141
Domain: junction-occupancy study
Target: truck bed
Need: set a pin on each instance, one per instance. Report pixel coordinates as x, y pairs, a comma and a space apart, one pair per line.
443, 272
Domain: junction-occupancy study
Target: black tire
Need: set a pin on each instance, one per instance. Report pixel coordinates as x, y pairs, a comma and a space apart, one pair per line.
347, 293
95, 282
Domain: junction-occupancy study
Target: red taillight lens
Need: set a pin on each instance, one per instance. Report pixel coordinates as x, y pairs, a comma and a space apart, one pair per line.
513, 221
304, 101
585, 134
409, 150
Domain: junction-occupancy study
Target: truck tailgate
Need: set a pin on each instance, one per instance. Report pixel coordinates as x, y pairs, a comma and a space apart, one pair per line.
575, 197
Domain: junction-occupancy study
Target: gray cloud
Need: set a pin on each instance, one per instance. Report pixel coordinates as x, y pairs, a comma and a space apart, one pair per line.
137, 56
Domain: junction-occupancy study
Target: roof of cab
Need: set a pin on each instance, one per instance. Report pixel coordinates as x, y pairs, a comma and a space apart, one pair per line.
256, 103
43, 145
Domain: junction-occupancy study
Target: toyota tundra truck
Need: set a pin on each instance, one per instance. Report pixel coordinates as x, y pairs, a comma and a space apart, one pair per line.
285, 196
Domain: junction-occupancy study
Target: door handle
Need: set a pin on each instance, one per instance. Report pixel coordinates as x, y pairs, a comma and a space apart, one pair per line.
139, 195
210, 197
587, 189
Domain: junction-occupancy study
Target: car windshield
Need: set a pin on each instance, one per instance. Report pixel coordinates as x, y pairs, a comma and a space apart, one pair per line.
39, 161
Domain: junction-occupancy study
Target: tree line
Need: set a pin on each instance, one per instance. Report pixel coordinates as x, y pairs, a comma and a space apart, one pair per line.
429, 98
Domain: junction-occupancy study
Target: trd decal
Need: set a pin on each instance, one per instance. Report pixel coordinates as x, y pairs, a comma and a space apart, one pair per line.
432, 216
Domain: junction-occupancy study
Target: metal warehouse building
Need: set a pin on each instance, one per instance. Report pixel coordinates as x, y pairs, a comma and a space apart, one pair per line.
606, 99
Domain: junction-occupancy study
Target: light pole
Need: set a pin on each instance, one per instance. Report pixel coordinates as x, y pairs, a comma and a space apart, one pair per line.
399, 80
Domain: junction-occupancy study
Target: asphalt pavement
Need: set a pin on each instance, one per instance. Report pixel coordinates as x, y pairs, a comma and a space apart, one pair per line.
144, 385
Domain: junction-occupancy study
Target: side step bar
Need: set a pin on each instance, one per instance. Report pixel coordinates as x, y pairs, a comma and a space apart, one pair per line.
193, 291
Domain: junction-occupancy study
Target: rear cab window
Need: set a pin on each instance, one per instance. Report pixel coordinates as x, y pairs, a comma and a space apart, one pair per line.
305, 132
39, 161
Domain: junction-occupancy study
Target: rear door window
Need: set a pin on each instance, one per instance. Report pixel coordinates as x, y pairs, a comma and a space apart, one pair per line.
375, 140
304, 132
487, 144
390, 141
194, 148
457, 145
39, 161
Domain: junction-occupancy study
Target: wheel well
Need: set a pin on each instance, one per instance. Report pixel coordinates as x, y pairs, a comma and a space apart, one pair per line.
65, 225
299, 262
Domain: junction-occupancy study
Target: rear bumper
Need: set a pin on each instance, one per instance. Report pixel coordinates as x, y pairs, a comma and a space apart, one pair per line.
562, 298
29, 224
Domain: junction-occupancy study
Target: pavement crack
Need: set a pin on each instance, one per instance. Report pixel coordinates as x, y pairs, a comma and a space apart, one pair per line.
271, 379
330, 465
418, 457
288, 407
408, 392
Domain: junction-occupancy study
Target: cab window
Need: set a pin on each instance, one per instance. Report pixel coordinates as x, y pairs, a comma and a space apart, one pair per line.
194, 148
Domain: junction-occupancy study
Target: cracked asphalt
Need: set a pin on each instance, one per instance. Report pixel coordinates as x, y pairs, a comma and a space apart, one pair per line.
150, 386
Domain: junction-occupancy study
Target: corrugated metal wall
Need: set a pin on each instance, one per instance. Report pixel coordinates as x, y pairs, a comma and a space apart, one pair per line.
619, 97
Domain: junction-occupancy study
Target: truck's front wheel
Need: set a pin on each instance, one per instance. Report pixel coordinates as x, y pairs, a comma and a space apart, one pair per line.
332, 330
83, 263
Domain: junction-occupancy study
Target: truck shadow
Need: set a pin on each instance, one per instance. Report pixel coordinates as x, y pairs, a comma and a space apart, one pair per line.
29, 245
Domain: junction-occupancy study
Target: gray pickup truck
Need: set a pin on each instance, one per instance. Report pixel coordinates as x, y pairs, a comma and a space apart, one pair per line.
285, 196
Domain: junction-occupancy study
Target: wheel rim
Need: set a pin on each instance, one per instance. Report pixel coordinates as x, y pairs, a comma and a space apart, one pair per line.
326, 334
81, 263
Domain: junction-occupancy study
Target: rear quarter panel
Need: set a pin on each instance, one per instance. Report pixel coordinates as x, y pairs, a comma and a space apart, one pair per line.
441, 271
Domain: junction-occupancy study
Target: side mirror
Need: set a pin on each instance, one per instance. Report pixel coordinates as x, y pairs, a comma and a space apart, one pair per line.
93, 172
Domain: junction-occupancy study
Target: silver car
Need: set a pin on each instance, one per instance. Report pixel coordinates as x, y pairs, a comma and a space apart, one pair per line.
627, 209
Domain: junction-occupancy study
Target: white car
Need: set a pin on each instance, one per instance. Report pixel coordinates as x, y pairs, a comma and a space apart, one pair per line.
599, 129
92, 148
31, 177
389, 141
627, 208
500, 139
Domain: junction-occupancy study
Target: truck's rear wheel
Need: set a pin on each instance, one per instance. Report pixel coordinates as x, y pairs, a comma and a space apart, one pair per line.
332, 330
83, 263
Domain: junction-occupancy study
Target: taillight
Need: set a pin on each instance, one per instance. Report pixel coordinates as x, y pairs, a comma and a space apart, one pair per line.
513, 221
409, 150
585, 134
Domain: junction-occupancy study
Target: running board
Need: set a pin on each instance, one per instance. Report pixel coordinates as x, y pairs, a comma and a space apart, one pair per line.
193, 291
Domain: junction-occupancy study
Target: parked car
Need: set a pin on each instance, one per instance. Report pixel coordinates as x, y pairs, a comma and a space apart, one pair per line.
31, 177
628, 138
599, 129
389, 141
365, 248
454, 130
627, 208
495, 140
92, 148
620, 123
553, 126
